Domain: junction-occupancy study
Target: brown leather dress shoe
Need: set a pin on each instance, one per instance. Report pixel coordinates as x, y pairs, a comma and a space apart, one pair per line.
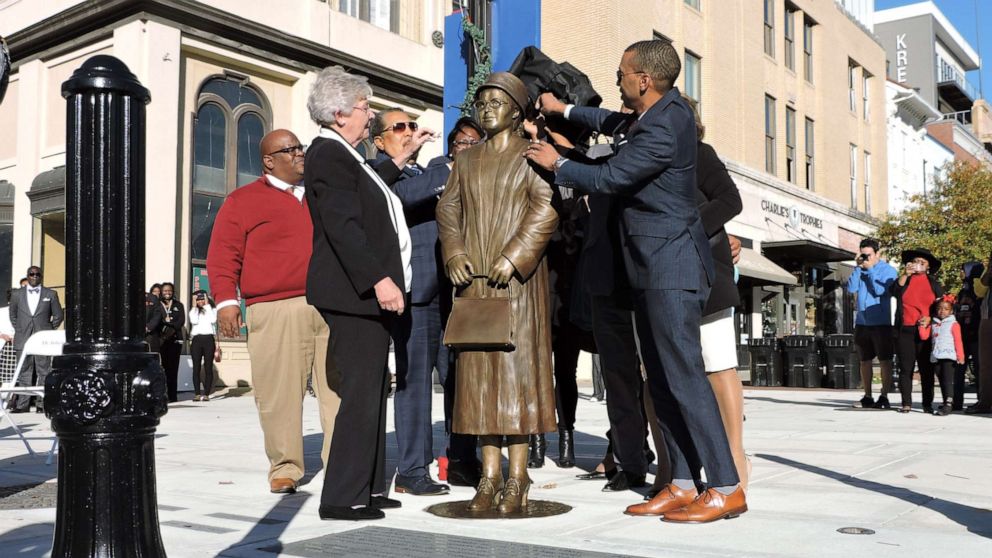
282, 486
669, 499
710, 506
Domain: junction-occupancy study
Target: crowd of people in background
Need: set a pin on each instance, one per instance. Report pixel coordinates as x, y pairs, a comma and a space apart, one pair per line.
934, 334
167, 334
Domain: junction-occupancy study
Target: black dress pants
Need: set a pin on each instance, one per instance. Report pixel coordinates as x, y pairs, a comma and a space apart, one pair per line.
914, 351
566, 346
357, 348
201, 349
613, 330
170, 351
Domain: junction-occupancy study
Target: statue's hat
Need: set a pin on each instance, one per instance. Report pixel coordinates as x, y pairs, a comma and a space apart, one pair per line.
509, 84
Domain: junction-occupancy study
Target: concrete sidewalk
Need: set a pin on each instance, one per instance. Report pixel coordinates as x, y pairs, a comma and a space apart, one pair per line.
920, 482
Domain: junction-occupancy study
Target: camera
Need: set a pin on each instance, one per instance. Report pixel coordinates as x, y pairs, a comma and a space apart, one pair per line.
862, 258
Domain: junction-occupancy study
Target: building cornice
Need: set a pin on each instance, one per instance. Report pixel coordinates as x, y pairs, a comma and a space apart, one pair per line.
198, 19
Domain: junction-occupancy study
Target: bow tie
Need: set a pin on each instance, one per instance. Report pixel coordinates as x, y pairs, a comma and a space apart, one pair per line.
34, 290
413, 170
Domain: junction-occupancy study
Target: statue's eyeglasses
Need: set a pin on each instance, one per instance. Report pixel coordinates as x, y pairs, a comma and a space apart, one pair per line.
492, 103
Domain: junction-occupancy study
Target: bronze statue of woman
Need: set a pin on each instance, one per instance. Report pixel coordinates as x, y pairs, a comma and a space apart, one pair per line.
495, 218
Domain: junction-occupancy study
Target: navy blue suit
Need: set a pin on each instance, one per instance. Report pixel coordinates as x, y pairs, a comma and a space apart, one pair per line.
669, 268
417, 333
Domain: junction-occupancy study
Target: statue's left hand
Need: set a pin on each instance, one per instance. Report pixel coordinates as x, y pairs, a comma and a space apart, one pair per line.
501, 271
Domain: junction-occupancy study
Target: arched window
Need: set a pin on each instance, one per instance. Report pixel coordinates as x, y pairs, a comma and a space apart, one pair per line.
231, 118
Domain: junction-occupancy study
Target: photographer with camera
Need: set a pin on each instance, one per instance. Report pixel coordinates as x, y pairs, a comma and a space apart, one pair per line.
916, 292
873, 334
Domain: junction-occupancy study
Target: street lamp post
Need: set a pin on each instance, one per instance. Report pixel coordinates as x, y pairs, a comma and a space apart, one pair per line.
106, 392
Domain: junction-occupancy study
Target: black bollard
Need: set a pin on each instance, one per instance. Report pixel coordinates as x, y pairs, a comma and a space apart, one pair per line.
106, 392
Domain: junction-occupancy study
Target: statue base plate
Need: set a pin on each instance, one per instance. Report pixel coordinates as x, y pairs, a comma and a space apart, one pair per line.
535, 508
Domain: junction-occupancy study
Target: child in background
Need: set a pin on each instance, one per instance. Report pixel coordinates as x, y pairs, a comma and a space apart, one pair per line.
948, 348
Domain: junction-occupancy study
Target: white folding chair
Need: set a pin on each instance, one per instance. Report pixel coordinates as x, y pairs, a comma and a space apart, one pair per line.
42, 343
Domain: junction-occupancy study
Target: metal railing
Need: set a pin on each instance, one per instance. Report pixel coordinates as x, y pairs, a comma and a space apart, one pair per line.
962, 117
949, 73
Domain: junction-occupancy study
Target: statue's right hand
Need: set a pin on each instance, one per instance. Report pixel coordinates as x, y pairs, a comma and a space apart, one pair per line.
229, 321
460, 270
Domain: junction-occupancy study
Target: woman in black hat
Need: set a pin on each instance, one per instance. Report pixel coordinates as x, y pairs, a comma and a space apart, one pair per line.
915, 291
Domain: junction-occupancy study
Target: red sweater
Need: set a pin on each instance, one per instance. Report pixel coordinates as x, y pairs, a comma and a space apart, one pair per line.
261, 242
917, 299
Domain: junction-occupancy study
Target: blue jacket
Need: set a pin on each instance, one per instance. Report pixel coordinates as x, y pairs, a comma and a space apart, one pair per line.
652, 179
874, 299
419, 194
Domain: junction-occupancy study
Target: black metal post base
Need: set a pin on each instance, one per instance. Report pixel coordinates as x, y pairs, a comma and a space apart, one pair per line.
105, 414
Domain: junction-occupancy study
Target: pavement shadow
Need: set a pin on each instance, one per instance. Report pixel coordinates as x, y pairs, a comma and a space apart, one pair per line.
976, 520
270, 528
31, 541
312, 461
26, 468
839, 404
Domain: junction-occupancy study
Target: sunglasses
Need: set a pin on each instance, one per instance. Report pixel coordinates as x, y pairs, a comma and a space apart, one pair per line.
34, 274
293, 149
620, 74
400, 127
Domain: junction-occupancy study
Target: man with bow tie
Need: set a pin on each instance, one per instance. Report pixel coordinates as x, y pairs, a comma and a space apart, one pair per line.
33, 308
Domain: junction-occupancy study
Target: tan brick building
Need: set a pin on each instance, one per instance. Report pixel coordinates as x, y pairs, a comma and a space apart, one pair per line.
221, 74
793, 98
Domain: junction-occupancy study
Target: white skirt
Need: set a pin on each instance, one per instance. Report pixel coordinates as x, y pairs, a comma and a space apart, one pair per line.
717, 337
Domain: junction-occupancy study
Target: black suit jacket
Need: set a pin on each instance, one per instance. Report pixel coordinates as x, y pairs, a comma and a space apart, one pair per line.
47, 315
354, 244
719, 202
419, 194
653, 179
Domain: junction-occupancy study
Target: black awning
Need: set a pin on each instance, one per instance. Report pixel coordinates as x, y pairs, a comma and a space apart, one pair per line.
804, 252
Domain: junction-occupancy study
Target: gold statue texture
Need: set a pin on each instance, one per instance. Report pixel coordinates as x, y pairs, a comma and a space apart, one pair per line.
495, 218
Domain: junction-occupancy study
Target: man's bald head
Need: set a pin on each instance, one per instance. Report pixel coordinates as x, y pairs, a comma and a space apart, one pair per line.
282, 156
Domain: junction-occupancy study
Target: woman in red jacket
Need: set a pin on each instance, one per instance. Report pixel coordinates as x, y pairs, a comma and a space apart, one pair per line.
915, 292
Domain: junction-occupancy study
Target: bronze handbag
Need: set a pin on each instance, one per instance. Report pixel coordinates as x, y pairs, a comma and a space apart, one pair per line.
479, 324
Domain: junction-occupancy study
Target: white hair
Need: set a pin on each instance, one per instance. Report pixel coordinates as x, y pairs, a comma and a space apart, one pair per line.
335, 90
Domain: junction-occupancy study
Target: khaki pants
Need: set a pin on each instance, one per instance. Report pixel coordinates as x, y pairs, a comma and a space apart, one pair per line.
286, 340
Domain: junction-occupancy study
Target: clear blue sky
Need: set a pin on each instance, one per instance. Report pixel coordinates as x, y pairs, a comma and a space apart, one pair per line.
962, 14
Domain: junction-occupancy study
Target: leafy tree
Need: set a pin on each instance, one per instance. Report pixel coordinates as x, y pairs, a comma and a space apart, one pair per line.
954, 221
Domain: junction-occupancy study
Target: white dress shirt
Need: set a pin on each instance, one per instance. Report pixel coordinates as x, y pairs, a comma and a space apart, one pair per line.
203, 324
295, 189
34, 296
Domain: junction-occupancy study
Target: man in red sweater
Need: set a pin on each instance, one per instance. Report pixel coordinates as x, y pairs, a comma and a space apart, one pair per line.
260, 244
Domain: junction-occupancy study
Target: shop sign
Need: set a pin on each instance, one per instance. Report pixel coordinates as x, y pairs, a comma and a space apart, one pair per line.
792, 213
